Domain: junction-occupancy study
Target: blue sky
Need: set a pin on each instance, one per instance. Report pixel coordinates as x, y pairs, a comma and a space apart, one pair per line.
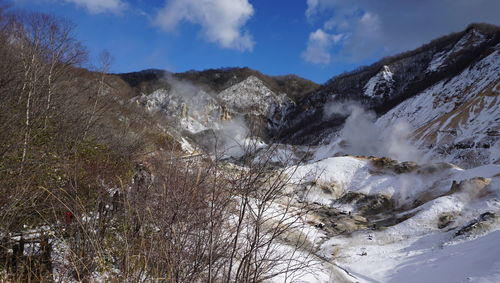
315, 39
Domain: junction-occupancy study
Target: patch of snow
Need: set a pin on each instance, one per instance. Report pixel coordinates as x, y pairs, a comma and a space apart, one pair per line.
355, 174
473, 261
191, 125
187, 146
383, 78
336, 169
469, 40
437, 61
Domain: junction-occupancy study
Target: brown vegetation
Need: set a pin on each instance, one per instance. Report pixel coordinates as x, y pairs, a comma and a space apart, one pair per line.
68, 145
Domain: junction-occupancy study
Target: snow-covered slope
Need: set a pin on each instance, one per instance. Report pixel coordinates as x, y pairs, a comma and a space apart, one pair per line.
470, 40
385, 221
457, 120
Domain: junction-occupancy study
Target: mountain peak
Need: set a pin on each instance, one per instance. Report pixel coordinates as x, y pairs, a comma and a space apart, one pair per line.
483, 28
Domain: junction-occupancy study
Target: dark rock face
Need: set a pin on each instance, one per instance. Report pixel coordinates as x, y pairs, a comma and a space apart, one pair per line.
482, 222
386, 164
445, 220
368, 204
334, 222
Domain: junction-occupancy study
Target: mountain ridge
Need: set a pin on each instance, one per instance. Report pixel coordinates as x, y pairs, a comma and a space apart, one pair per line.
217, 80
411, 80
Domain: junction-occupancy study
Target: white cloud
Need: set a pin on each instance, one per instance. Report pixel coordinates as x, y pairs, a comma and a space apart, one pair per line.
383, 27
221, 21
100, 6
312, 8
318, 47
365, 35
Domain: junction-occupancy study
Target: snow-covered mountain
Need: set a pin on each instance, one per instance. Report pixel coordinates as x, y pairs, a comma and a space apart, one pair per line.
445, 93
452, 63
219, 109
457, 120
381, 220
398, 162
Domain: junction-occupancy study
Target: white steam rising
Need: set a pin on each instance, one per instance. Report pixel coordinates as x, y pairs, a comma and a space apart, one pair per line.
361, 136
182, 88
236, 139
233, 135
201, 114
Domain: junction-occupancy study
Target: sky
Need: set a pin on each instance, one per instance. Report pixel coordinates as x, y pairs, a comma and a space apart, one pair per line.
315, 39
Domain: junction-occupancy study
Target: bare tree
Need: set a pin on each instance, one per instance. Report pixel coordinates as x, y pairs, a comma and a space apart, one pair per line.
182, 219
105, 61
267, 220
62, 50
46, 50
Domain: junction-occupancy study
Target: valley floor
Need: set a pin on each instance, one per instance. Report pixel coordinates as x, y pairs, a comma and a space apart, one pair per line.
422, 259
445, 229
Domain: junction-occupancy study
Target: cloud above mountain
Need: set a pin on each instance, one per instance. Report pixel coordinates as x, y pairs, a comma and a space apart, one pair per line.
377, 28
318, 47
222, 21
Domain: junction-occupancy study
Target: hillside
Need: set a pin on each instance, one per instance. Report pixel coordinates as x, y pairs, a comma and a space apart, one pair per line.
385, 84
